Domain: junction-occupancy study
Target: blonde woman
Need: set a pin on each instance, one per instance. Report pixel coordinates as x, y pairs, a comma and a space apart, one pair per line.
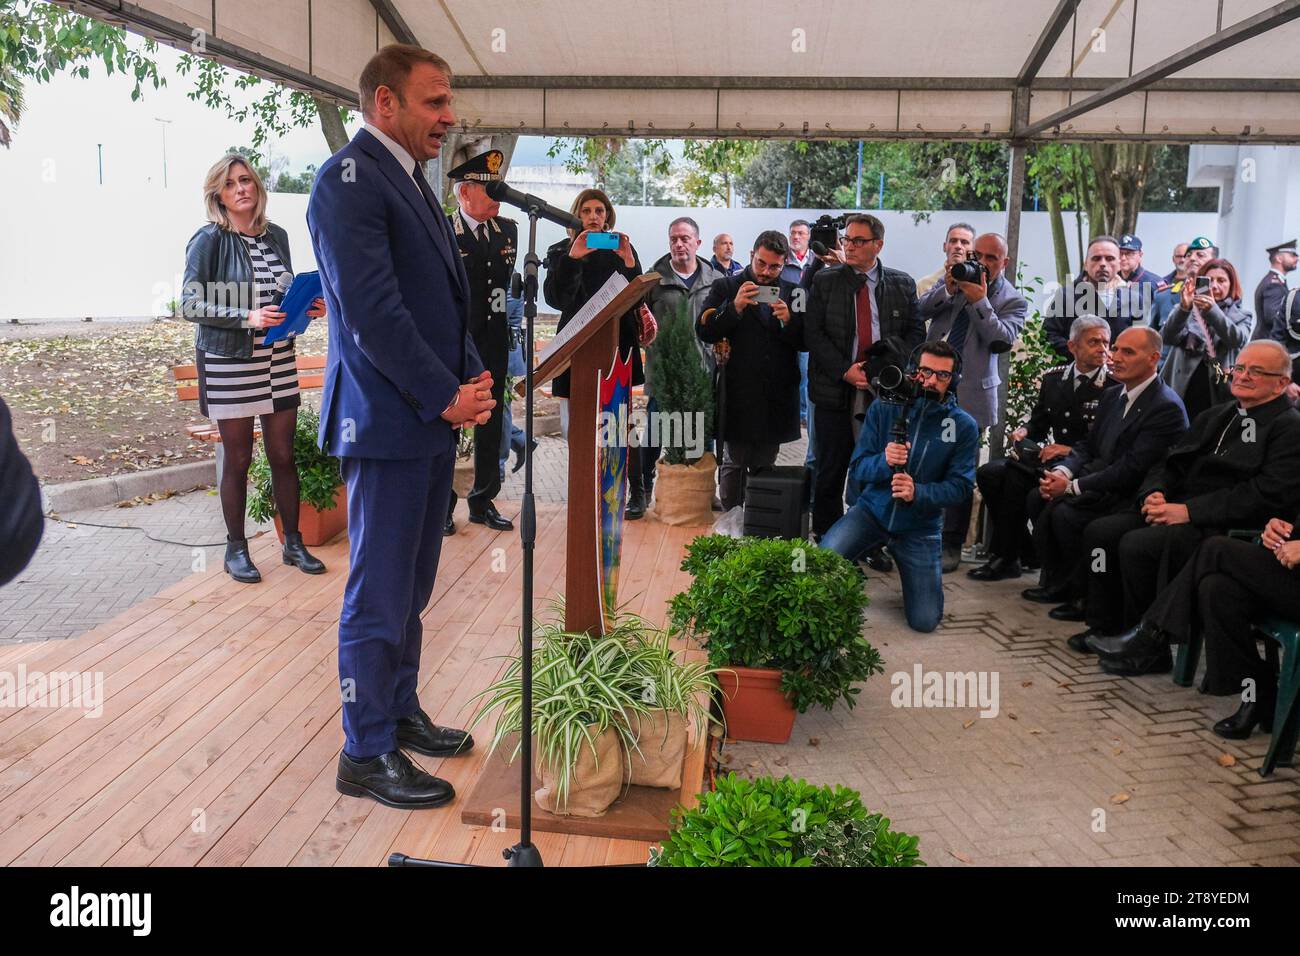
232, 265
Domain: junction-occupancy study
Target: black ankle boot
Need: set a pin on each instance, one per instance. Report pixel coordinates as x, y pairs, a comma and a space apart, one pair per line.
1242, 724
295, 553
238, 564
635, 507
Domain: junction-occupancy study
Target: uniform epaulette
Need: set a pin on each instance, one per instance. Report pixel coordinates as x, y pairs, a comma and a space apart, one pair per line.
1056, 368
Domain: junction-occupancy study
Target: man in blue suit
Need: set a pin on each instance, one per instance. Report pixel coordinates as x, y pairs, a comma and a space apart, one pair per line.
402, 376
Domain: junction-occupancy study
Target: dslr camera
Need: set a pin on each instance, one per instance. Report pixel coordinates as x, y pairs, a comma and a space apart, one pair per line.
826, 230
969, 271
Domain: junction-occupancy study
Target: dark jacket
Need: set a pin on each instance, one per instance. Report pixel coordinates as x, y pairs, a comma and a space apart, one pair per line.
762, 375
941, 461
1127, 307
831, 324
21, 521
671, 293
1251, 481
570, 284
489, 271
1119, 451
1063, 410
218, 291
1270, 295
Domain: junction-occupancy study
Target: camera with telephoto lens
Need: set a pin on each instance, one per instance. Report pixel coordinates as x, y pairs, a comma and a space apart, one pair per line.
891, 384
826, 230
969, 271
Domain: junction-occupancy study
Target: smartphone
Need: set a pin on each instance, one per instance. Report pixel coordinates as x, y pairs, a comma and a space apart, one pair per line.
602, 240
1202, 285
768, 294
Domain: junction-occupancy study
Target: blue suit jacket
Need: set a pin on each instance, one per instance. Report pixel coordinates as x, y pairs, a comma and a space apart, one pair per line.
398, 304
1119, 451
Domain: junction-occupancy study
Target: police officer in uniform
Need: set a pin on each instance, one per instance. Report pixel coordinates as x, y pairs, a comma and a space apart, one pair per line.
1066, 406
1270, 294
488, 245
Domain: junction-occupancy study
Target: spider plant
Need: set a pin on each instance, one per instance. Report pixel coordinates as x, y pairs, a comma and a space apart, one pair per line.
664, 680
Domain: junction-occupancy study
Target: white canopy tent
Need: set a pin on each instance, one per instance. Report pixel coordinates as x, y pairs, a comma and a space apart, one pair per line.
1199, 70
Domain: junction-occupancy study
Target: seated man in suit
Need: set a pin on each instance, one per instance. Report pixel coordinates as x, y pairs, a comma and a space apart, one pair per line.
1236, 468
1066, 407
979, 320
1135, 426
907, 486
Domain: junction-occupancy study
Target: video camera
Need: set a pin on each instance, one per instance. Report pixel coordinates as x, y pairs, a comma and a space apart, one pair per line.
826, 230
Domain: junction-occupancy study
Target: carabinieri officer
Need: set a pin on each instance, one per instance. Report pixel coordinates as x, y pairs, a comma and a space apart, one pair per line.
488, 245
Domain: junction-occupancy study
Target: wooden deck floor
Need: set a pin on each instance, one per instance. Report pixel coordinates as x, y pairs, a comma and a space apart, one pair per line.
221, 728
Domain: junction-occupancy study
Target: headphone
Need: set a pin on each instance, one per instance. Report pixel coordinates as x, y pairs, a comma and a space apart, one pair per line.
914, 361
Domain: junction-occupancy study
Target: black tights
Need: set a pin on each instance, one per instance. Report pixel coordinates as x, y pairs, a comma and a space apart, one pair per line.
237, 443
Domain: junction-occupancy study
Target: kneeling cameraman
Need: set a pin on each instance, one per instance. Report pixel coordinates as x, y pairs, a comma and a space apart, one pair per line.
915, 456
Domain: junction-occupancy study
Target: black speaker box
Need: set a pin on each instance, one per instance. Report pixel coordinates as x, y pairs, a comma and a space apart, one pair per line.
777, 502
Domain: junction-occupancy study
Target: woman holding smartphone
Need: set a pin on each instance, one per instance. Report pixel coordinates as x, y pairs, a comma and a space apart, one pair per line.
1207, 328
232, 266
575, 271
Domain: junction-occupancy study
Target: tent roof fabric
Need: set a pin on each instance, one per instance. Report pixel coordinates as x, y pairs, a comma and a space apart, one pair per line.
842, 69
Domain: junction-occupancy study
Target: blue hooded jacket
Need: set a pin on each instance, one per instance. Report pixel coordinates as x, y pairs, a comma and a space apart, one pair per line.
945, 446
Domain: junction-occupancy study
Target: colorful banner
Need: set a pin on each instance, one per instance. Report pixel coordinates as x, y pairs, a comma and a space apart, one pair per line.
611, 477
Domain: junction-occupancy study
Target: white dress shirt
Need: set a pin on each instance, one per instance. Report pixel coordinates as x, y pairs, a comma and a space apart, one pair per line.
404, 159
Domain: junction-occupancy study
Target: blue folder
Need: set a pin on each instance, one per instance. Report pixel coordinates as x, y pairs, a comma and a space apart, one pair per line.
305, 290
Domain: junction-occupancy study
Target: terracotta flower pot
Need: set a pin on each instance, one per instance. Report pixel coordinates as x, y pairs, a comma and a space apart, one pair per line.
320, 527
754, 706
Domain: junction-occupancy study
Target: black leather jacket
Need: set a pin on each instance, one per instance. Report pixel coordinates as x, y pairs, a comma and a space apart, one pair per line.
218, 290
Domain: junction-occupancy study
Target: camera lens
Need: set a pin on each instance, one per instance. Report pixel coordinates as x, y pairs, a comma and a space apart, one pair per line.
966, 272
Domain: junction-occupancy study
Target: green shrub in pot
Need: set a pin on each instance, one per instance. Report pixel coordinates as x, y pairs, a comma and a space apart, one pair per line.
775, 603
783, 823
319, 479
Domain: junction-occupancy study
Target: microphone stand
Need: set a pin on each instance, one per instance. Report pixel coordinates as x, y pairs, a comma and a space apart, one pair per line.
525, 852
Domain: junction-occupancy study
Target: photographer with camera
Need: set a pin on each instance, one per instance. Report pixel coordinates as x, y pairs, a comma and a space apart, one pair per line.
1100, 291
914, 458
859, 306
1066, 408
978, 312
751, 310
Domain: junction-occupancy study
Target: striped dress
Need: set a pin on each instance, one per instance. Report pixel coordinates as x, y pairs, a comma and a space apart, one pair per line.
265, 382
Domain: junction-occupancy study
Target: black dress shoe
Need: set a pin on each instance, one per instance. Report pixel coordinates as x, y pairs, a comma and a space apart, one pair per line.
417, 732
998, 569
449, 528
1242, 724
519, 454
238, 564
1046, 594
1069, 611
492, 518
1157, 662
1083, 641
879, 561
393, 780
1123, 643
296, 554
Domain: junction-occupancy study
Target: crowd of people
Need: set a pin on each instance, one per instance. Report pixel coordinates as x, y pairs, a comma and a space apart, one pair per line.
1167, 423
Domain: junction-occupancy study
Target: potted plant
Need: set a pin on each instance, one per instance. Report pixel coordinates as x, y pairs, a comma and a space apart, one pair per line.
784, 619
608, 711
787, 822
684, 485
323, 510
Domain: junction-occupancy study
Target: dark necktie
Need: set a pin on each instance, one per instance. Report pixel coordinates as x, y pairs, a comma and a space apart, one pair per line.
482, 235
864, 318
439, 216
960, 325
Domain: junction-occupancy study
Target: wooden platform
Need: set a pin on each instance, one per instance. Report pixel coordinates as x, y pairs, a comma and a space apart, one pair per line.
221, 728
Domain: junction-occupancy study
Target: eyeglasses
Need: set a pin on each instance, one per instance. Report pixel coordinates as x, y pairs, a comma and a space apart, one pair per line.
857, 242
1254, 371
941, 376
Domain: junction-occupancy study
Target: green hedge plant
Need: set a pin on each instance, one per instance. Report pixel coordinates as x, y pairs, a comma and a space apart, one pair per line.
767, 602
787, 822
318, 473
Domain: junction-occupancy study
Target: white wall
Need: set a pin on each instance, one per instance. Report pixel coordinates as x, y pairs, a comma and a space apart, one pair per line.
73, 251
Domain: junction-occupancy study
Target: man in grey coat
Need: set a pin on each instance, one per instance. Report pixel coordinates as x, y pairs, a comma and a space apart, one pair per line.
979, 320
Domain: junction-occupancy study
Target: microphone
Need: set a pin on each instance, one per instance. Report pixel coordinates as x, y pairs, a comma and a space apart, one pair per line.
282, 284
499, 191
820, 249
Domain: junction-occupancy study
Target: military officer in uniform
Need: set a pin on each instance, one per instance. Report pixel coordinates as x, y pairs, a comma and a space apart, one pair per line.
1066, 406
1271, 292
488, 245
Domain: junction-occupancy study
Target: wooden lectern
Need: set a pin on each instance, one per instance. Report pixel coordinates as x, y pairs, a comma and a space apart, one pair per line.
588, 350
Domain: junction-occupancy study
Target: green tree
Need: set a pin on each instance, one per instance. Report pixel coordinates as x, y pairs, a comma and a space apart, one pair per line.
631, 178
713, 166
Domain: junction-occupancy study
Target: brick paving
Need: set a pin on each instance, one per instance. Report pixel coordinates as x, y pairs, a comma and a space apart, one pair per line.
1077, 768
